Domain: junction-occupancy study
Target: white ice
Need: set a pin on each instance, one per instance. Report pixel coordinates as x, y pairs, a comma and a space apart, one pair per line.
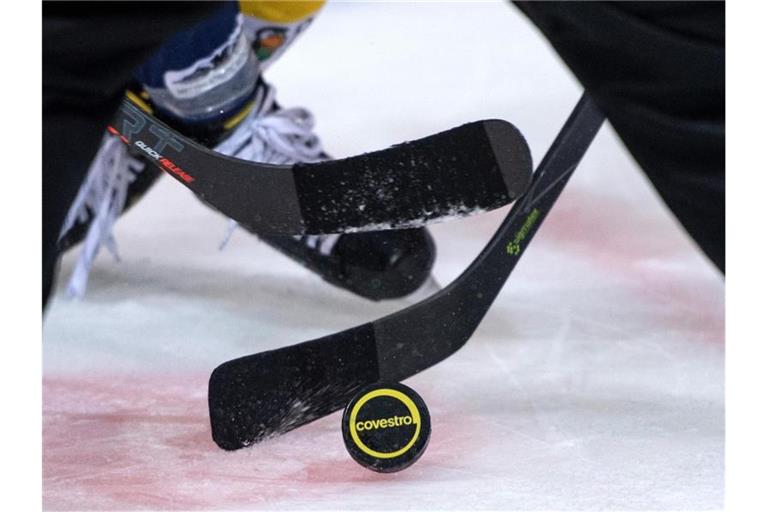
595, 381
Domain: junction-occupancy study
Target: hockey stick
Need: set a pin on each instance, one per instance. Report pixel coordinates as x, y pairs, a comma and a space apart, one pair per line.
476, 167
261, 395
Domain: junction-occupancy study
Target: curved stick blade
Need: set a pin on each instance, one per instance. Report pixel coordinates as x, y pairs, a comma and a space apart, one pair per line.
256, 397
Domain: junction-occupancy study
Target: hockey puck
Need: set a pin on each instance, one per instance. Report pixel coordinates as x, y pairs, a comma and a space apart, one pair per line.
386, 427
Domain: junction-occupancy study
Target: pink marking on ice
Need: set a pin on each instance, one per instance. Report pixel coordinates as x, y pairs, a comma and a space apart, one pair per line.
625, 243
135, 441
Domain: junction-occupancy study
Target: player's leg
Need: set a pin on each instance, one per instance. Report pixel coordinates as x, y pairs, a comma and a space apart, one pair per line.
89, 53
657, 69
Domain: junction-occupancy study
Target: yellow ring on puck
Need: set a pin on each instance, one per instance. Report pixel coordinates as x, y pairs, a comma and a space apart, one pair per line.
397, 395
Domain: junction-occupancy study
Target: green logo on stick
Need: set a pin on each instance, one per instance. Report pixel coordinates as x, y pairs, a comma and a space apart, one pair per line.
513, 247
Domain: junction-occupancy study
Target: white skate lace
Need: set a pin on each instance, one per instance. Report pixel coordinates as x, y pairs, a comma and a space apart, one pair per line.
281, 137
101, 196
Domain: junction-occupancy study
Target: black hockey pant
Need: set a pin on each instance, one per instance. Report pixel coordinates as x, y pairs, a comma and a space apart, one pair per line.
657, 69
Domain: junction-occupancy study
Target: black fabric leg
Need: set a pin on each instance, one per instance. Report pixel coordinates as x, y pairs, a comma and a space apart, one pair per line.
657, 69
90, 51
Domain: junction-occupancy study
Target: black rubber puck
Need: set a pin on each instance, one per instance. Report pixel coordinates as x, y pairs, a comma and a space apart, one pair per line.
386, 427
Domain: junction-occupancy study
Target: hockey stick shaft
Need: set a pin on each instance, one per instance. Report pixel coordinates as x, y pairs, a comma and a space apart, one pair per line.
455, 313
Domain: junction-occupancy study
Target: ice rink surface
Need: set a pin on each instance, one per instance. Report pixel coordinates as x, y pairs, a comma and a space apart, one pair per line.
595, 381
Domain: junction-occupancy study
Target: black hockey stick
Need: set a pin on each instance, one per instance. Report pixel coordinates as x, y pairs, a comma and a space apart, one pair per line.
258, 396
476, 167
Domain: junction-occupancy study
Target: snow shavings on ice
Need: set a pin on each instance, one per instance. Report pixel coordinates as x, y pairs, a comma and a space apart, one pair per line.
428, 217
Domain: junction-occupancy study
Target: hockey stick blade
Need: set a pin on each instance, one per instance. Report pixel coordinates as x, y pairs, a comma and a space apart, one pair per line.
266, 394
257, 397
476, 167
